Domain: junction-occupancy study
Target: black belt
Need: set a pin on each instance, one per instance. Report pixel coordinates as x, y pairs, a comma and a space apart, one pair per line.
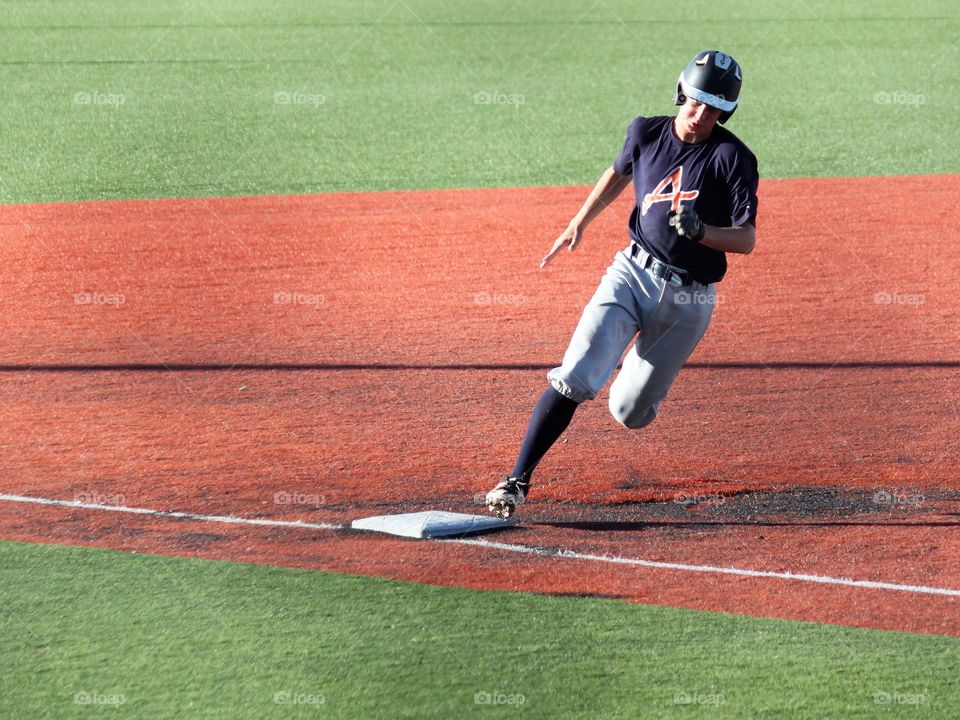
661, 269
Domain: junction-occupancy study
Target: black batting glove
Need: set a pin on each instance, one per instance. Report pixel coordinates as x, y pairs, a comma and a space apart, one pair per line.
687, 223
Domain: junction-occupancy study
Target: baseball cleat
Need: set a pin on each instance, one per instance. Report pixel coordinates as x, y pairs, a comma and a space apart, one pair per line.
504, 498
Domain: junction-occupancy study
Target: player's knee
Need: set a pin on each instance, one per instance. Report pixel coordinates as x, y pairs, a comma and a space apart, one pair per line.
577, 392
632, 416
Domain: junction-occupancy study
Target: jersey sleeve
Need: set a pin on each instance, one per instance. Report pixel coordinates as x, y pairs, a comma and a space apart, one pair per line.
630, 151
743, 181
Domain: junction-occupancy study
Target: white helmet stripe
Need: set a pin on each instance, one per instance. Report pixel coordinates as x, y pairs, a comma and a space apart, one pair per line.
707, 98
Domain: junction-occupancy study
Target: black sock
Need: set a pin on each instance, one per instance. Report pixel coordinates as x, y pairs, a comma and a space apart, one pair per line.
550, 418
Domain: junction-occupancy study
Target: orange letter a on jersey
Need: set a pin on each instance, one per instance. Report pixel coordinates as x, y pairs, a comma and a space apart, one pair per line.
674, 181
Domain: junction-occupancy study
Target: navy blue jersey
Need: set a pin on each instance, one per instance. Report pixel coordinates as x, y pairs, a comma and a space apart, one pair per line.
718, 176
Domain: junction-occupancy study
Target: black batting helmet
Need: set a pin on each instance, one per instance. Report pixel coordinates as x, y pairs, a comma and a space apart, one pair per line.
713, 78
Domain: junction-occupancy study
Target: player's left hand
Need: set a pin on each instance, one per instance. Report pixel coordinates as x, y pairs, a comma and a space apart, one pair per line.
687, 223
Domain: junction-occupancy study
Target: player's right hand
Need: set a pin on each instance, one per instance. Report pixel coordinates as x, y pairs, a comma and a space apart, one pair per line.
570, 238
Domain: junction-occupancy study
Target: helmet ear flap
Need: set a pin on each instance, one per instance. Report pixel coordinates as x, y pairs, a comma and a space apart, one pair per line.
726, 116
680, 98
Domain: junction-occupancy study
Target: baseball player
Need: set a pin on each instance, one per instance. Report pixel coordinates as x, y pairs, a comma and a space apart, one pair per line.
695, 185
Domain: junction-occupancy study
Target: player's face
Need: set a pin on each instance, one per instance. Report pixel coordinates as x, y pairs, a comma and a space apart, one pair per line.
695, 121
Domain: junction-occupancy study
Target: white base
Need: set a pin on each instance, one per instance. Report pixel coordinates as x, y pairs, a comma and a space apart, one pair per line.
429, 524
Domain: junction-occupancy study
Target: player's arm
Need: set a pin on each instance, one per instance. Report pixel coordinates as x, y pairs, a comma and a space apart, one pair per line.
742, 198
737, 239
740, 239
607, 189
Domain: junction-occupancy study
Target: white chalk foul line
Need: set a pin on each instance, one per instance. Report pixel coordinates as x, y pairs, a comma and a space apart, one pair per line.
801, 577
508, 547
170, 513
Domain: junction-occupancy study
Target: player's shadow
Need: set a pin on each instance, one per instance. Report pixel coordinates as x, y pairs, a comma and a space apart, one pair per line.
638, 525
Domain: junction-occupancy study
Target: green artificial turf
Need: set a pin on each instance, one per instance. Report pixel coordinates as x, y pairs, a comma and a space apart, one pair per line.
97, 632
175, 99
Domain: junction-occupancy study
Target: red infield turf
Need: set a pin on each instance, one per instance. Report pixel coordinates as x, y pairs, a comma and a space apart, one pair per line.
323, 358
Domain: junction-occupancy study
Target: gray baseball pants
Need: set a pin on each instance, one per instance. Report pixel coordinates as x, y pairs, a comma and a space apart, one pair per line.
666, 318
